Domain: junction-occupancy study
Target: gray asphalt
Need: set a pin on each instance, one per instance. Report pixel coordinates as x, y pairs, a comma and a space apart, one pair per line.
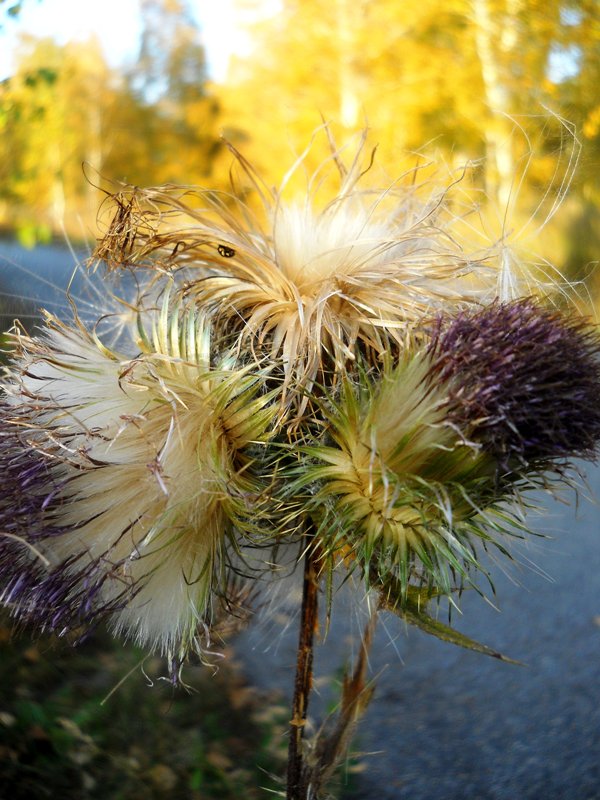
444, 722
449, 723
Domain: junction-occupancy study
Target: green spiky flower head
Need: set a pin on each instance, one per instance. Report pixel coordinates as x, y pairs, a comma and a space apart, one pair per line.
396, 480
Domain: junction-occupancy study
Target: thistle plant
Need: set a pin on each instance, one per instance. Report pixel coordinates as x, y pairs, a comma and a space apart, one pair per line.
341, 381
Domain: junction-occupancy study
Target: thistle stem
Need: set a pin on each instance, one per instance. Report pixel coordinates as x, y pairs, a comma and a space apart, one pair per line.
296, 774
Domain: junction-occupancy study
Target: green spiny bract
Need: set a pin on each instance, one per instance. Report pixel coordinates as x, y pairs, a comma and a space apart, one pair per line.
395, 489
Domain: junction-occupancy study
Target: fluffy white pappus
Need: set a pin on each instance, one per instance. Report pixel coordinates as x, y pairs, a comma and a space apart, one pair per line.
311, 249
324, 283
144, 452
309, 283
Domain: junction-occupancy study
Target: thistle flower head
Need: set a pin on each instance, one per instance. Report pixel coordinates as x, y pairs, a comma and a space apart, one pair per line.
396, 481
524, 380
136, 474
311, 284
409, 481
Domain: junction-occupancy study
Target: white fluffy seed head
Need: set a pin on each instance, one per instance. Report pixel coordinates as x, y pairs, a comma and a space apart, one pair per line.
144, 451
312, 249
317, 280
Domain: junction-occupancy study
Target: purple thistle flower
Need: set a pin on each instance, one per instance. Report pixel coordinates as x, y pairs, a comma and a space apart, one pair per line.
524, 380
58, 597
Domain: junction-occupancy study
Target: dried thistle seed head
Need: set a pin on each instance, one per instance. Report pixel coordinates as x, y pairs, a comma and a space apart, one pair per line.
126, 480
397, 481
310, 284
523, 379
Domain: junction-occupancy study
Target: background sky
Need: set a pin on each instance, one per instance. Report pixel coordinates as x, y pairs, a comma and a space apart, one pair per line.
118, 26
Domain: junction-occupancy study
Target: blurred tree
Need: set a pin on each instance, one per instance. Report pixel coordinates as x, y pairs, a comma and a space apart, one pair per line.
53, 116
417, 71
64, 108
406, 69
175, 114
465, 80
575, 59
171, 59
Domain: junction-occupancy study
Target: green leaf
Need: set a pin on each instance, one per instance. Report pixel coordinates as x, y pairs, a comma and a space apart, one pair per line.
412, 613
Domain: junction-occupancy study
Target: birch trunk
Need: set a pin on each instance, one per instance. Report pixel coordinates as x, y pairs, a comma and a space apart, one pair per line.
496, 39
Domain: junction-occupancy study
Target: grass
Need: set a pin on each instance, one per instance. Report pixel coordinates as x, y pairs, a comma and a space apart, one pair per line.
147, 740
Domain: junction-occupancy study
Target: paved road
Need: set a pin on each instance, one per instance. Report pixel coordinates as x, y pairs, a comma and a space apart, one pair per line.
447, 723
31, 279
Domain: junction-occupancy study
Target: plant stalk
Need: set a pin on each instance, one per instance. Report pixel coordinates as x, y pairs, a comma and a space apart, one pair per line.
296, 774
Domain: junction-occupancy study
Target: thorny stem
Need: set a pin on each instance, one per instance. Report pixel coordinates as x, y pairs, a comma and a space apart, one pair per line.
296, 778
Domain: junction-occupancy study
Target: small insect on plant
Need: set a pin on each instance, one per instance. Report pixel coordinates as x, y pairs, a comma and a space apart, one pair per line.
226, 252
